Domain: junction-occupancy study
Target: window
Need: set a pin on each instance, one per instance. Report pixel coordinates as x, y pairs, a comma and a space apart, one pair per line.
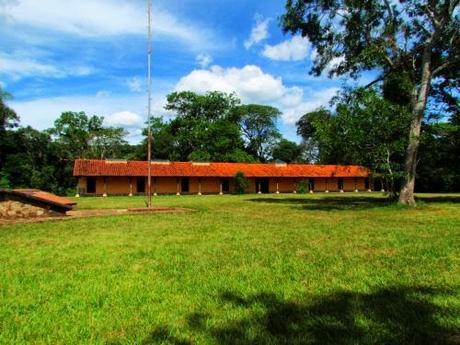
91, 185
141, 184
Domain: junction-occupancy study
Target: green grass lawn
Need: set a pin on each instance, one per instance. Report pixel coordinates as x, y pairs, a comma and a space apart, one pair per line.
253, 269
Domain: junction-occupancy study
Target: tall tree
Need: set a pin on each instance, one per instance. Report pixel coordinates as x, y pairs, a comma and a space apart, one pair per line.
258, 126
8, 119
363, 130
205, 127
317, 131
419, 39
83, 136
287, 151
439, 152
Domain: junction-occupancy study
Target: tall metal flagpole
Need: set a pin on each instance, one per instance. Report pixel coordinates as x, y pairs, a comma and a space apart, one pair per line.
149, 130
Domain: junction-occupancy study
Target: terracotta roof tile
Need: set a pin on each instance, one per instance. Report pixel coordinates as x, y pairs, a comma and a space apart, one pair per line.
88, 167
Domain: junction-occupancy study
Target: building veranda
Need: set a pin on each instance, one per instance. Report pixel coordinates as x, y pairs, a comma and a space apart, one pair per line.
119, 177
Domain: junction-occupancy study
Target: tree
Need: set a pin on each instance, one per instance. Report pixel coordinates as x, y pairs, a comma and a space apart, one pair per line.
365, 129
81, 136
241, 183
258, 126
32, 162
205, 128
317, 132
439, 152
8, 117
287, 151
417, 39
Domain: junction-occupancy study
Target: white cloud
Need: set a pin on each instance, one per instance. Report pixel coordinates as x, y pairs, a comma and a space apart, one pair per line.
125, 119
311, 100
100, 18
18, 66
253, 85
204, 60
135, 84
259, 32
125, 111
294, 49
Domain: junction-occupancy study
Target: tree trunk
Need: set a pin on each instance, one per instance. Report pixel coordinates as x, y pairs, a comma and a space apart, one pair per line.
420, 95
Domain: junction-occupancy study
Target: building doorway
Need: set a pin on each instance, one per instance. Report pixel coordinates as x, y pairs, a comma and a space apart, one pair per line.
141, 185
90, 185
185, 185
340, 183
262, 185
225, 186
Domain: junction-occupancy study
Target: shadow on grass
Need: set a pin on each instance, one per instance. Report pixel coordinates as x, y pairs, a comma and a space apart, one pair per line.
334, 203
439, 199
329, 203
399, 315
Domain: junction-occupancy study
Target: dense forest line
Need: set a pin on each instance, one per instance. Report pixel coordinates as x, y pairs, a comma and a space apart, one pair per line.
217, 127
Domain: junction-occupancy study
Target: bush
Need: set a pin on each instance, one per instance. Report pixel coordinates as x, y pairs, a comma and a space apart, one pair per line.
241, 183
302, 187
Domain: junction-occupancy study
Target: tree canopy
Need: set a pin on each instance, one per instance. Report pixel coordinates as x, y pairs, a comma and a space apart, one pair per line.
416, 41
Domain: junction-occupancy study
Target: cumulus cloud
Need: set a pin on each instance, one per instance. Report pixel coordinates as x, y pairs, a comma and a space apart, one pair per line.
18, 66
204, 60
101, 18
125, 119
294, 49
259, 32
253, 85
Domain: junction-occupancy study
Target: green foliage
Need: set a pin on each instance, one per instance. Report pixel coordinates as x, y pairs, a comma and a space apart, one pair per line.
204, 128
365, 129
439, 151
413, 45
81, 136
241, 183
302, 187
4, 181
8, 117
258, 127
214, 127
287, 151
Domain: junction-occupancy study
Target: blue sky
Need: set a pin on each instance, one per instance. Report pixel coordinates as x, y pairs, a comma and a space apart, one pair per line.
90, 55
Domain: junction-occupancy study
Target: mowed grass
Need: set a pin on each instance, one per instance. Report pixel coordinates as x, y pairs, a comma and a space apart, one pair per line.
253, 269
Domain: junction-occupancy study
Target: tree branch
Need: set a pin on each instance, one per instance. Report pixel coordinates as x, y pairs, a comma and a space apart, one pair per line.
432, 16
390, 10
374, 82
443, 66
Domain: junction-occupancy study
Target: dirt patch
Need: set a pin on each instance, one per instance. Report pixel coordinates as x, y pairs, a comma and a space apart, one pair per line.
97, 213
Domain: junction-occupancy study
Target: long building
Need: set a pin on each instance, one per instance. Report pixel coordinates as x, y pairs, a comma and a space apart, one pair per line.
118, 177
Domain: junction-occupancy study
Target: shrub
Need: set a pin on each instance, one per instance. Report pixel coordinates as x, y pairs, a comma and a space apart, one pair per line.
302, 187
241, 183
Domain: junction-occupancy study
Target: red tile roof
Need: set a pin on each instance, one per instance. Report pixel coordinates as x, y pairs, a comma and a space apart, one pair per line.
88, 167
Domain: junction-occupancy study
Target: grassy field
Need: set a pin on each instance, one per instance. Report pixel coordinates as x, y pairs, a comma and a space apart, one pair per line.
254, 269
